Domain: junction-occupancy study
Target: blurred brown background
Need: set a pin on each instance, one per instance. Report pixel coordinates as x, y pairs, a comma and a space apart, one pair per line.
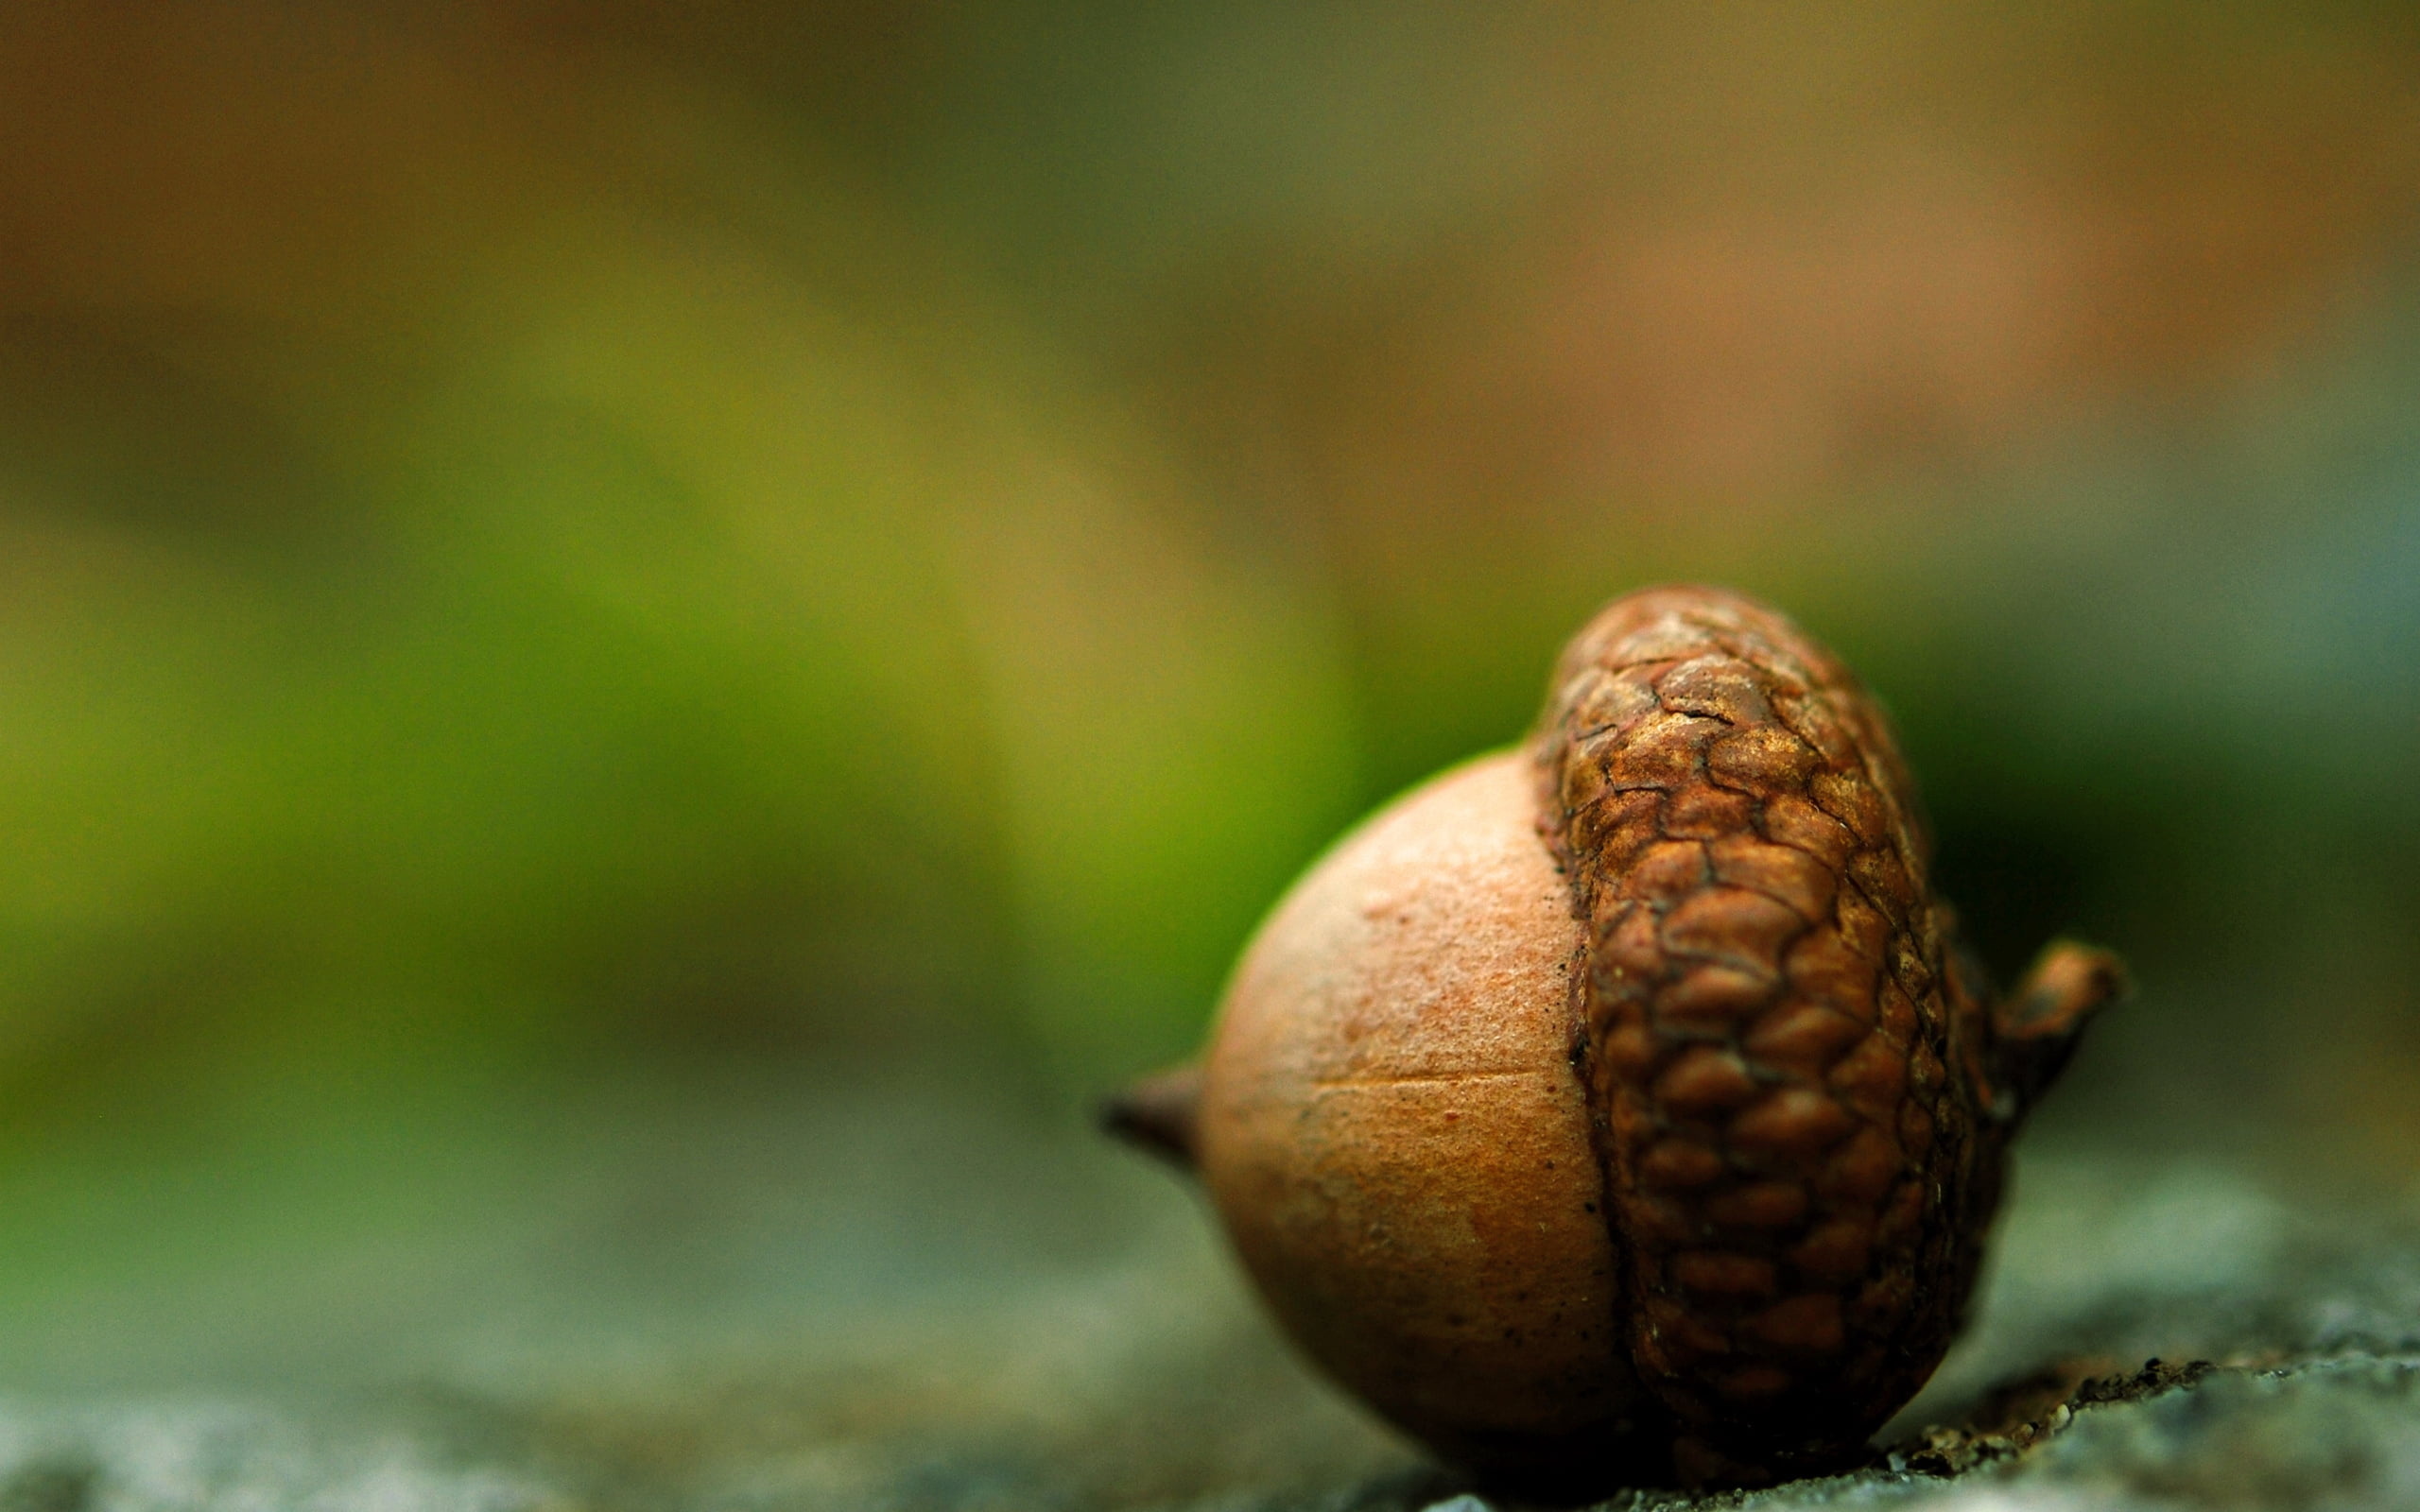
570, 568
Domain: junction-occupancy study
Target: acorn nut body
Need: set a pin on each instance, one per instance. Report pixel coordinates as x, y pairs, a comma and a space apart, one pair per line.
1621, 1110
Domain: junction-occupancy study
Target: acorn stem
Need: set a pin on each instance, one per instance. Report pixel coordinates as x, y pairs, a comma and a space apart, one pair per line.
2037, 1026
1158, 1114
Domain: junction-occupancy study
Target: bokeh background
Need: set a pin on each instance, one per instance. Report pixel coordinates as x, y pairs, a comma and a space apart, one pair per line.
619, 622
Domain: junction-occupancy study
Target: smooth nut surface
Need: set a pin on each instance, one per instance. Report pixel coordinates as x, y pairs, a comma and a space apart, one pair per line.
1394, 1133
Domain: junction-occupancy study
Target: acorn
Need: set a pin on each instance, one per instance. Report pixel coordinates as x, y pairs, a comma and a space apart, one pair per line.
1621, 1110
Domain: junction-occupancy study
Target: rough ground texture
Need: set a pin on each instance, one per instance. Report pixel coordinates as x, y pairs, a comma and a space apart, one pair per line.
894, 1296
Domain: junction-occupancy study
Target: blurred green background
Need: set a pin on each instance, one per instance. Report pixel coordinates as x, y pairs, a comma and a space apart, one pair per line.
565, 556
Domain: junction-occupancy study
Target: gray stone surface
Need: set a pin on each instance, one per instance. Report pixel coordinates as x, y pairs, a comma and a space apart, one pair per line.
899, 1297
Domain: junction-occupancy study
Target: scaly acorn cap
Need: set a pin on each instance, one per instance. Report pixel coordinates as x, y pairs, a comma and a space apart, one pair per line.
1799, 1095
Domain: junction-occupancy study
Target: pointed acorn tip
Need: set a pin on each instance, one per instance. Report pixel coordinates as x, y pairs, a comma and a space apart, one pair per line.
1158, 1114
